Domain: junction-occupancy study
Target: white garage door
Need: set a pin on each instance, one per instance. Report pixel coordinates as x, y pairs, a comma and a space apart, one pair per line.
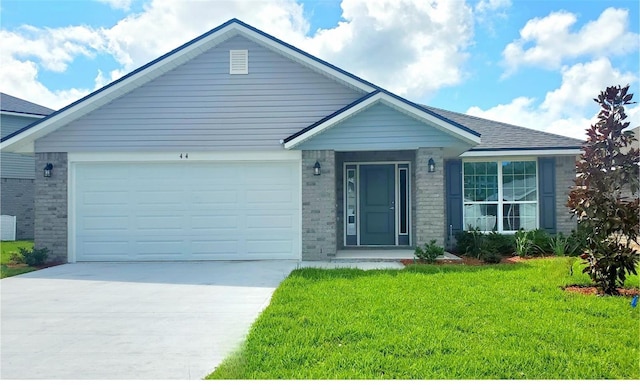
186, 211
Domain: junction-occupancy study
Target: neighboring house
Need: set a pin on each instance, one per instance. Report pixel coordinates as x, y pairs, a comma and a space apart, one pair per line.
16, 170
636, 145
238, 146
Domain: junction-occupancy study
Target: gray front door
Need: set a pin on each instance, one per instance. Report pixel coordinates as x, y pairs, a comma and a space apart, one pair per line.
377, 204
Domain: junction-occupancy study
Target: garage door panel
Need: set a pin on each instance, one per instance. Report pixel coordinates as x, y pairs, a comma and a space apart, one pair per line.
103, 250
215, 197
272, 248
213, 223
270, 222
100, 198
187, 211
207, 249
104, 223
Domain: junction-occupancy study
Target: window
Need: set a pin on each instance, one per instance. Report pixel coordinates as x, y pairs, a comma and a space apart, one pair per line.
500, 195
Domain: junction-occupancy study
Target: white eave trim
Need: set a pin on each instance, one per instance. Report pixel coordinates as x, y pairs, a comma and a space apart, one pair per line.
22, 114
394, 103
520, 153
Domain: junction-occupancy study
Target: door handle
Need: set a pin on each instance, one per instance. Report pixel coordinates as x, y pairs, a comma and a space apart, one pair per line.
392, 208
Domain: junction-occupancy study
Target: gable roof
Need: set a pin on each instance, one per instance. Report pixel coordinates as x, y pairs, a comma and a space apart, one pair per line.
462, 126
23, 139
506, 138
401, 104
11, 105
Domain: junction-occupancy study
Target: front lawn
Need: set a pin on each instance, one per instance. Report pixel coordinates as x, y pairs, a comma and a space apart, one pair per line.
440, 322
6, 268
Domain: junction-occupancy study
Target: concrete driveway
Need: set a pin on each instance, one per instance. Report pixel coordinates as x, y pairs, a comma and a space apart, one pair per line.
131, 321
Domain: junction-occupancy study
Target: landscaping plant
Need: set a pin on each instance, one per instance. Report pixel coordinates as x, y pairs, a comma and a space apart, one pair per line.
429, 252
524, 243
486, 247
605, 170
34, 257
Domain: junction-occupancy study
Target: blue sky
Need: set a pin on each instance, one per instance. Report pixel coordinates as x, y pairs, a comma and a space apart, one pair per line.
535, 63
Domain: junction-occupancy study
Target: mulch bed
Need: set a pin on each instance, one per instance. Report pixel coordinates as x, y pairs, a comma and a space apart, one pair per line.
585, 290
589, 290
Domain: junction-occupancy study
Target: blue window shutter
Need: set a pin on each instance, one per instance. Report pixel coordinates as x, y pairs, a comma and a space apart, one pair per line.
453, 172
547, 196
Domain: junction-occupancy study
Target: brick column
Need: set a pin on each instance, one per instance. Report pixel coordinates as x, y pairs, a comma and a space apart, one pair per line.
429, 199
51, 206
319, 216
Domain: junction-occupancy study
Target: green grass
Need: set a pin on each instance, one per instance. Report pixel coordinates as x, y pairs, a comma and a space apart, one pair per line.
6, 247
440, 322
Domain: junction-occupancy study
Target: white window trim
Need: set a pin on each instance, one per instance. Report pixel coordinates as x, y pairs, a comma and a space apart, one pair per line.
500, 203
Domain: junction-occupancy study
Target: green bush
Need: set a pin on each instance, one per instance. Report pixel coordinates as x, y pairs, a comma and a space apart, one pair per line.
504, 244
491, 257
486, 247
541, 242
16, 258
429, 252
34, 257
577, 241
559, 244
469, 242
524, 243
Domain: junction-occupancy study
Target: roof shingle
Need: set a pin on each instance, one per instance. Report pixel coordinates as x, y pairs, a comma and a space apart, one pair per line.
503, 136
20, 106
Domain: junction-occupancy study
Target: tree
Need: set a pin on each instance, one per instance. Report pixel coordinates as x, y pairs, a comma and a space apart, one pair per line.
606, 168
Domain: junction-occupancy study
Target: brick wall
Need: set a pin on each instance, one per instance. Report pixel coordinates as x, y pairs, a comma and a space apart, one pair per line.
565, 175
318, 206
51, 206
429, 199
17, 199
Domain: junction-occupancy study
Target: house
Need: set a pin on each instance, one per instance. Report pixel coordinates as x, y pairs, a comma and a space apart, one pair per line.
16, 170
627, 193
239, 146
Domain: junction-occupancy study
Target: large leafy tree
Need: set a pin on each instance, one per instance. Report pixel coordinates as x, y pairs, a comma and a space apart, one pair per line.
607, 173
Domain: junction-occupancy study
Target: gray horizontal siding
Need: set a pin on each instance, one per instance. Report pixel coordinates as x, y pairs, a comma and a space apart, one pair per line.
10, 123
200, 106
16, 166
380, 127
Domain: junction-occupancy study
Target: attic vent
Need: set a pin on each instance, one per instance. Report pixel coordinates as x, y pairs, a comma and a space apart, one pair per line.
238, 61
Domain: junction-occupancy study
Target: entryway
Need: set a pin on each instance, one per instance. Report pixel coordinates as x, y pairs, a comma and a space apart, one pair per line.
377, 204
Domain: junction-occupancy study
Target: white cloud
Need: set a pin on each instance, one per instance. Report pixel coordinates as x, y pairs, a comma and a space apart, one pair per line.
410, 47
569, 109
548, 42
491, 5
117, 4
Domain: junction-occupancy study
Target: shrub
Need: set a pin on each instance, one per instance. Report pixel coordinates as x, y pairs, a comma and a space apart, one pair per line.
486, 247
34, 257
491, 257
429, 252
541, 241
16, 258
577, 241
469, 242
504, 244
524, 243
560, 244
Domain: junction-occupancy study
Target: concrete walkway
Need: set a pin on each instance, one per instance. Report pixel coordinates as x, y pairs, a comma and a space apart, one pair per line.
135, 320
